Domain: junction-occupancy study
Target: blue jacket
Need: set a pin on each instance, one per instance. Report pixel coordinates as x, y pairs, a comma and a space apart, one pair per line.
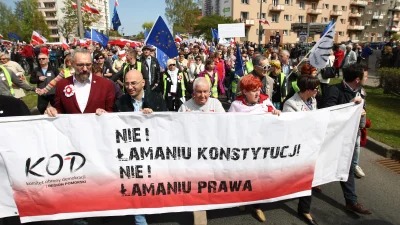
366, 52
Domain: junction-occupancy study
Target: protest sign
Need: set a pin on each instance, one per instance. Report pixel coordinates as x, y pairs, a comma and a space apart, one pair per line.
119, 164
231, 30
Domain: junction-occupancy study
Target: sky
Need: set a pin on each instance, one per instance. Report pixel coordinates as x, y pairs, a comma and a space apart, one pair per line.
132, 13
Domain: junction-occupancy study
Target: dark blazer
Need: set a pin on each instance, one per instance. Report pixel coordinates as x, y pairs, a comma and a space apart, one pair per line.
10, 106
339, 94
51, 73
152, 100
101, 96
155, 73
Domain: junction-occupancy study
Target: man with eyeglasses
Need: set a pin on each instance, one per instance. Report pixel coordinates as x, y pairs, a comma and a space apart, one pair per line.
42, 75
137, 98
82, 92
261, 68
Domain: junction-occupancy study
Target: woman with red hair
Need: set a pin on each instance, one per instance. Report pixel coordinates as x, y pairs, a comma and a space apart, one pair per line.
252, 100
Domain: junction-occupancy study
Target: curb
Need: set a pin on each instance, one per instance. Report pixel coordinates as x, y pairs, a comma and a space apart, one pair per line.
382, 149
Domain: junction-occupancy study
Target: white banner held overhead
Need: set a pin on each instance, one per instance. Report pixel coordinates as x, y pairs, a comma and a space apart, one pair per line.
231, 30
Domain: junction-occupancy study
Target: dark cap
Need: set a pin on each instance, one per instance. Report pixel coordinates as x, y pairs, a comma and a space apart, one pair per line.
146, 47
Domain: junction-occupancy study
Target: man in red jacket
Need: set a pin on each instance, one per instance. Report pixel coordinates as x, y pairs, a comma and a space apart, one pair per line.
83, 92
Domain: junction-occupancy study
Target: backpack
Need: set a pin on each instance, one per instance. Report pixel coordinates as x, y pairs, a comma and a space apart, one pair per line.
328, 71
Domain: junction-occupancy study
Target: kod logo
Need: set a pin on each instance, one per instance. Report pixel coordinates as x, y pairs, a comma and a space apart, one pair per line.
54, 159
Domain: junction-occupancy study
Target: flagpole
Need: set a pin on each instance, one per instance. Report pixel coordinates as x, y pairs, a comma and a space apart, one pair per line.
79, 14
148, 35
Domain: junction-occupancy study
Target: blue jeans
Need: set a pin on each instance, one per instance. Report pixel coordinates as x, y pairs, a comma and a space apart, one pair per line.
349, 187
356, 154
140, 220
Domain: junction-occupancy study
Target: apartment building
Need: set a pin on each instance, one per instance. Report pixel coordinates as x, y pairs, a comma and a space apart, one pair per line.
52, 13
365, 20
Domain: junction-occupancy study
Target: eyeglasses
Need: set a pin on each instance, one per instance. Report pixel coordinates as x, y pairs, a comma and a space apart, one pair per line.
266, 67
171, 65
198, 59
81, 65
42, 58
101, 58
3, 59
133, 83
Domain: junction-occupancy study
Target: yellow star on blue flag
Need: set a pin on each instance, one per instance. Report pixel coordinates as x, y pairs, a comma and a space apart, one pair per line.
160, 37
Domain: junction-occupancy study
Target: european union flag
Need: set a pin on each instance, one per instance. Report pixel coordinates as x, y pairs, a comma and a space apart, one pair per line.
14, 36
146, 33
88, 34
97, 37
327, 28
214, 33
115, 20
162, 58
239, 62
161, 37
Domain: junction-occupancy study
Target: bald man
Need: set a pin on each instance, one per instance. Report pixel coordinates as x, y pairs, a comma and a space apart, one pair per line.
201, 101
137, 98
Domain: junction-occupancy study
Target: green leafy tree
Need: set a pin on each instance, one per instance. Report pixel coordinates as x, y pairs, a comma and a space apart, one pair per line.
66, 27
182, 13
8, 21
30, 19
147, 25
71, 15
204, 25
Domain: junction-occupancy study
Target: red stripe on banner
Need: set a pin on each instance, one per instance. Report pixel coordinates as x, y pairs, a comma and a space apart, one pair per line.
103, 194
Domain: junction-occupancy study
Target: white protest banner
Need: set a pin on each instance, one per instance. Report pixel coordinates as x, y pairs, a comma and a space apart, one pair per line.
231, 30
7, 203
128, 163
335, 156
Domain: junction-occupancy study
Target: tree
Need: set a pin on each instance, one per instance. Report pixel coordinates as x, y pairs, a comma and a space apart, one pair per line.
147, 25
205, 24
66, 27
30, 19
71, 14
182, 13
8, 21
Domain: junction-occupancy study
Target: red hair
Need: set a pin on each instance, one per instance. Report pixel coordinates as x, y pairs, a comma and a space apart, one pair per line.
307, 69
250, 83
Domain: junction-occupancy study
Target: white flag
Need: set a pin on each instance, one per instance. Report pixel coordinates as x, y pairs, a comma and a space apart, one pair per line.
321, 50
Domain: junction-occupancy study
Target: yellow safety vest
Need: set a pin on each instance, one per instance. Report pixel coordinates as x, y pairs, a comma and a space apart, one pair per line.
67, 73
249, 66
8, 78
214, 88
295, 87
283, 89
138, 68
182, 84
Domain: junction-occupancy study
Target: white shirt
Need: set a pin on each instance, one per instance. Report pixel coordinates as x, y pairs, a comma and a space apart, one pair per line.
174, 80
212, 105
82, 92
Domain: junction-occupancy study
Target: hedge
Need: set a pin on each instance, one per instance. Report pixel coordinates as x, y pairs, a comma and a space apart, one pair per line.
390, 80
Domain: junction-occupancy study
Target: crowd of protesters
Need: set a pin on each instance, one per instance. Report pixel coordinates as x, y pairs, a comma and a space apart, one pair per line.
201, 77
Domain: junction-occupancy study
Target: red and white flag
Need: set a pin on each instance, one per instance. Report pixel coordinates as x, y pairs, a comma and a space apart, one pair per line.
233, 42
178, 39
92, 9
264, 21
74, 5
65, 45
36, 37
1, 36
116, 3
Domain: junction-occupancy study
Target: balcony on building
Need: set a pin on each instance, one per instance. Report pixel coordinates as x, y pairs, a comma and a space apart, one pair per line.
359, 3
355, 27
336, 12
276, 8
355, 15
247, 21
377, 17
314, 11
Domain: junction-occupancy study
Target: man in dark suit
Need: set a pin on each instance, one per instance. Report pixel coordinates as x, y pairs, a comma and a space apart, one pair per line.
137, 97
151, 70
83, 92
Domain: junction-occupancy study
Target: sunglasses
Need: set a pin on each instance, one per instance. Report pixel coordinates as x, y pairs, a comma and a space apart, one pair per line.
172, 65
266, 67
101, 58
3, 59
42, 58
